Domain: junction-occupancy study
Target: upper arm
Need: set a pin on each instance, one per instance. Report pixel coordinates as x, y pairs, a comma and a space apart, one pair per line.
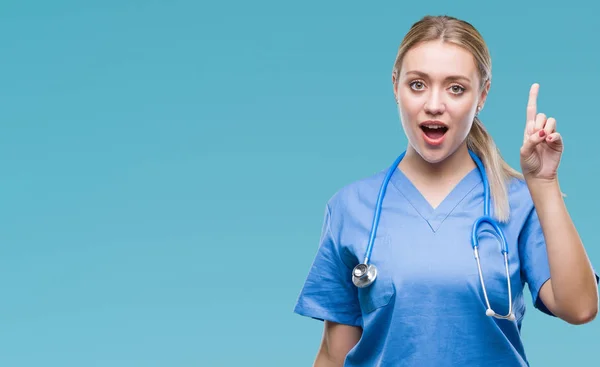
535, 268
546, 297
338, 340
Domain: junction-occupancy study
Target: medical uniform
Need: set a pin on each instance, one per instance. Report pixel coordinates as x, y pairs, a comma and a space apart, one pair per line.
426, 306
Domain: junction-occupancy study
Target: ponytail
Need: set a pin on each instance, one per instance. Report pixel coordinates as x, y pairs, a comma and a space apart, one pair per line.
498, 171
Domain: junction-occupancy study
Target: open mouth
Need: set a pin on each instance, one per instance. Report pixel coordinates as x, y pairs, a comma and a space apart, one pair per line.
434, 132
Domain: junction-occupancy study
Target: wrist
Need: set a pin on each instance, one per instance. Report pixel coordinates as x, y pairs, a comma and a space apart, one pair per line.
544, 190
542, 184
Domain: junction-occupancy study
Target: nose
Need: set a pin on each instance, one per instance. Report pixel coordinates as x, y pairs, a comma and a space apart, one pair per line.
434, 105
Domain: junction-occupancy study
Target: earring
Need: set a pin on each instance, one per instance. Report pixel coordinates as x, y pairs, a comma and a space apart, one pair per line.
478, 110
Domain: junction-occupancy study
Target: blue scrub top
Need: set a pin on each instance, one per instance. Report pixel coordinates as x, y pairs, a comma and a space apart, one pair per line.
426, 306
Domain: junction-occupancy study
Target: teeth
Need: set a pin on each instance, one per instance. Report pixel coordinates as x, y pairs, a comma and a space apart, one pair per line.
434, 126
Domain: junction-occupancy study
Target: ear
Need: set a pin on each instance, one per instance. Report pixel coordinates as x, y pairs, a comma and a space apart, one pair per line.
484, 93
394, 84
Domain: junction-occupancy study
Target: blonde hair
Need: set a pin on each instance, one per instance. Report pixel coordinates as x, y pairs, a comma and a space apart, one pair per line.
463, 34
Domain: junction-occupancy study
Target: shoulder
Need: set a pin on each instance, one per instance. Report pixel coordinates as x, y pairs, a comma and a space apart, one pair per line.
520, 201
358, 193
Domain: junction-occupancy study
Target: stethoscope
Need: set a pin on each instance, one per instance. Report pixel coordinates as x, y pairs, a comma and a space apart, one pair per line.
363, 275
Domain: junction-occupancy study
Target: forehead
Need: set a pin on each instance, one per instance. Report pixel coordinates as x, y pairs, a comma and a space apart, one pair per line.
440, 59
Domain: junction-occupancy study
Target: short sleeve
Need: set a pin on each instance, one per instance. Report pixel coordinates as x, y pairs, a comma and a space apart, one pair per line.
534, 259
328, 292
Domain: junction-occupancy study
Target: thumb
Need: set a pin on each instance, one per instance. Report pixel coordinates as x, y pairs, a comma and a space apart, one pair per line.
555, 141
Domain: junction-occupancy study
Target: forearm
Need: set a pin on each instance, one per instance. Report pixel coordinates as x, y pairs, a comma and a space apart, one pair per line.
324, 360
572, 278
338, 340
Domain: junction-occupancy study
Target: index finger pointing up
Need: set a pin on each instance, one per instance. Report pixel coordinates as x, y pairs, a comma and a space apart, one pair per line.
532, 107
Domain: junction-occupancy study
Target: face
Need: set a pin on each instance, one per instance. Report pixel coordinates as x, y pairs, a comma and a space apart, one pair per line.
438, 91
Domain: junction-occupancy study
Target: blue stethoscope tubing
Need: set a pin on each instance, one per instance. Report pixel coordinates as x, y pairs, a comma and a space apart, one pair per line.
364, 274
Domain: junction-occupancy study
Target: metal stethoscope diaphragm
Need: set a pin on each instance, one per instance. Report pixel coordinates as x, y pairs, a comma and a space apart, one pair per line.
364, 275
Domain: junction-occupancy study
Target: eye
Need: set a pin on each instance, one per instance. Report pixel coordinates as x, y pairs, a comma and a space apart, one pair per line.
417, 85
457, 89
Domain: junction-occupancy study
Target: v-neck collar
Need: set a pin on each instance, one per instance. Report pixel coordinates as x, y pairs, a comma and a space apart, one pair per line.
435, 216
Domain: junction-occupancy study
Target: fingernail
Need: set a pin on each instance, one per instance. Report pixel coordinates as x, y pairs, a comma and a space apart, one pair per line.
542, 133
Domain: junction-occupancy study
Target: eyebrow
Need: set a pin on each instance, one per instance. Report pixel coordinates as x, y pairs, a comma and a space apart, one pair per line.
450, 77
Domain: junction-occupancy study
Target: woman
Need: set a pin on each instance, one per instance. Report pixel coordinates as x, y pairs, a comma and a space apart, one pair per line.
427, 305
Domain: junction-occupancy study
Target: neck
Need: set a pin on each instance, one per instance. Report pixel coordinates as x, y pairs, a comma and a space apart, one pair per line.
457, 165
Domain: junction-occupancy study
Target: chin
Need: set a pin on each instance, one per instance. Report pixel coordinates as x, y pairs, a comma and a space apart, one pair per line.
433, 155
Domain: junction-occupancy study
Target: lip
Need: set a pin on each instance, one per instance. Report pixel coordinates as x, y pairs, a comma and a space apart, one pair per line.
428, 140
433, 122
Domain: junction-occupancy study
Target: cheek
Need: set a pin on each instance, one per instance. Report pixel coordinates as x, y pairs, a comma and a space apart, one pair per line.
462, 120
409, 108
461, 114
408, 115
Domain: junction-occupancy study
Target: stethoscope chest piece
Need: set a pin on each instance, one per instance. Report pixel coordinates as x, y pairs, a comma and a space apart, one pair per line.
364, 275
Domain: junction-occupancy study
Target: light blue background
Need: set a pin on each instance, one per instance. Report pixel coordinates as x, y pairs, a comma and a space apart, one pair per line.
164, 165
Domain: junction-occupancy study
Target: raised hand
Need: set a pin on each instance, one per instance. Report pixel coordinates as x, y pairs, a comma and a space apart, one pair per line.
542, 145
